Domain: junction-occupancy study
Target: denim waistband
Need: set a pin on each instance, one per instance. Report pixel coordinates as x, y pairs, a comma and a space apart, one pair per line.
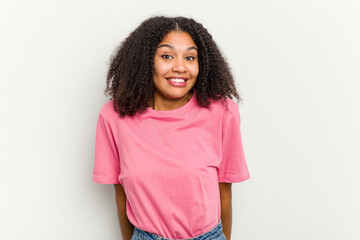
213, 233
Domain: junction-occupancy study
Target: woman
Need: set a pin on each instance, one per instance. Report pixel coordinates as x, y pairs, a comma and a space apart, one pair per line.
169, 139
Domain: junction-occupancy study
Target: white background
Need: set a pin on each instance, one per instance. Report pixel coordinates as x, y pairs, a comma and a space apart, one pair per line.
297, 66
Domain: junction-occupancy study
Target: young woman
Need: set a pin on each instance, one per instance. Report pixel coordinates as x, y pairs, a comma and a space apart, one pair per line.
169, 138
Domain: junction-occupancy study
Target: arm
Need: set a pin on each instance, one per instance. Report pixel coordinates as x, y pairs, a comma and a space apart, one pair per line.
226, 208
125, 225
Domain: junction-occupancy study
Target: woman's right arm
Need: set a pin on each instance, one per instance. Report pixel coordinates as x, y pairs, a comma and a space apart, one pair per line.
126, 226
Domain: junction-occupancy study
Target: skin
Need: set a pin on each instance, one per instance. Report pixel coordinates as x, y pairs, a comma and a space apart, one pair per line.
226, 208
126, 227
176, 56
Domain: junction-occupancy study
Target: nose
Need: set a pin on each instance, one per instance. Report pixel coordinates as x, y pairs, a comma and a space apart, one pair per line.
179, 66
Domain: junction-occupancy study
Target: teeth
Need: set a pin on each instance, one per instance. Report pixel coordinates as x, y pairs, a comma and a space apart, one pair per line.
177, 80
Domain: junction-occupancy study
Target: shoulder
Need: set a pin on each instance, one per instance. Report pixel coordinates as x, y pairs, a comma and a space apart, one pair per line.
227, 106
229, 110
107, 110
232, 105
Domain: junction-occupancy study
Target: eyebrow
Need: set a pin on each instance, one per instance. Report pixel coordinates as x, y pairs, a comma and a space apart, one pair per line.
172, 47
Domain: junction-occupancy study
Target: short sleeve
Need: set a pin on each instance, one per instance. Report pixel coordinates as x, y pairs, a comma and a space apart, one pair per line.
107, 164
233, 167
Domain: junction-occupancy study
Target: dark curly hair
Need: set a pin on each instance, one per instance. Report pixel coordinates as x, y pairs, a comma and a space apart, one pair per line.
129, 78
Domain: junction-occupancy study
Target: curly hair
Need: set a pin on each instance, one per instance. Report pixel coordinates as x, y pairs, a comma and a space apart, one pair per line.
129, 78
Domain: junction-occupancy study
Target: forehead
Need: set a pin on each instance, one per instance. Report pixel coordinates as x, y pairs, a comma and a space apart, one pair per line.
178, 38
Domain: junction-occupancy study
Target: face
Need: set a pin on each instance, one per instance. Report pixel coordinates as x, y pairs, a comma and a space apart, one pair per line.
176, 66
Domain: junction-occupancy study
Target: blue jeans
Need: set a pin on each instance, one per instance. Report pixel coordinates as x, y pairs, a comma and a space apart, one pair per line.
214, 234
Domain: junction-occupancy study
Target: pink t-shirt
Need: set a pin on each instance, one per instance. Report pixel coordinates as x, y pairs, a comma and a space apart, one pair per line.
169, 164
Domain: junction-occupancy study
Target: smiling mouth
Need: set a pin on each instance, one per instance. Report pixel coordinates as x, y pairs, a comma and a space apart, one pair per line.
177, 82
174, 79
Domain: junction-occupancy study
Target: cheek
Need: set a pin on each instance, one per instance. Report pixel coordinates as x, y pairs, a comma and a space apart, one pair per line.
194, 69
160, 69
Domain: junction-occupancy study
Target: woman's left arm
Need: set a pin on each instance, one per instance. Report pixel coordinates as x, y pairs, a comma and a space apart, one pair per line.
226, 208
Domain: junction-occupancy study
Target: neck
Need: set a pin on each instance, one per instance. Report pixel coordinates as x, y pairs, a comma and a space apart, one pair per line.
160, 103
